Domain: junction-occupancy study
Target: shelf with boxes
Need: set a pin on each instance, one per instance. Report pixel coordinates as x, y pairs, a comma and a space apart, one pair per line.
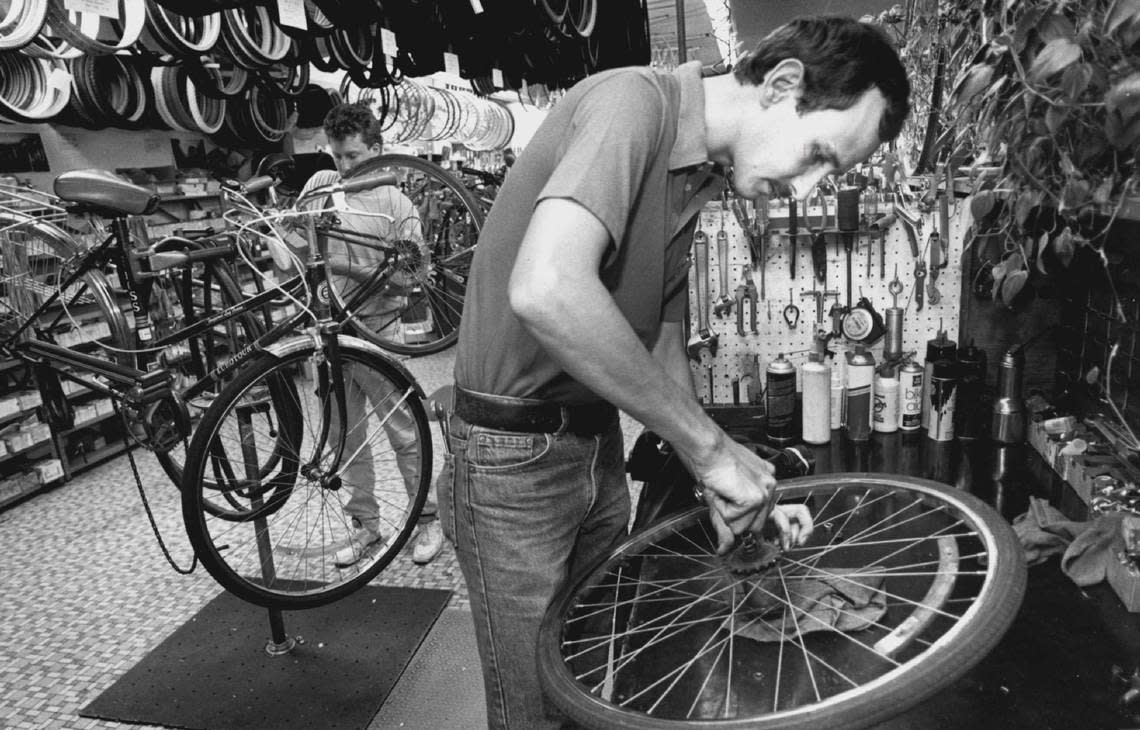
29, 459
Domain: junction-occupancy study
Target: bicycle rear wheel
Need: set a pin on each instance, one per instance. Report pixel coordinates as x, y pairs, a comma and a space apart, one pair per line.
426, 297
278, 549
903, 587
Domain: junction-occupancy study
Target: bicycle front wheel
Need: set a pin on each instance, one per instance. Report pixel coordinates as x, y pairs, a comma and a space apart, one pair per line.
424, 294
368, 464
904, 585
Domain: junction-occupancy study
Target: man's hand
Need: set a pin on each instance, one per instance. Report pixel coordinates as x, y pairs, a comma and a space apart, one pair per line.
737, 486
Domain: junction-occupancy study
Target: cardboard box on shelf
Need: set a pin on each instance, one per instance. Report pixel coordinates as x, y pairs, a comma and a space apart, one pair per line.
29, 399
49, 471
9, 406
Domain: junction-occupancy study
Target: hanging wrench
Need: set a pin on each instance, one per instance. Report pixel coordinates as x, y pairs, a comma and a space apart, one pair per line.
704, 338
919, 281
741, 295
791, 312
723, 304
751, 286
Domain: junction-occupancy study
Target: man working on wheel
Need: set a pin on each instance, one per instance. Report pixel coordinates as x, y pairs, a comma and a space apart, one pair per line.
365, 244
576, 303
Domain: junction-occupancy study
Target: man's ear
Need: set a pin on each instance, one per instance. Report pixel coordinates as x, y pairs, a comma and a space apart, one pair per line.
784, 79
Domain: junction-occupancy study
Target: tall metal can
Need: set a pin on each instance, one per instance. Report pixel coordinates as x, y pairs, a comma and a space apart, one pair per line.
860, 374
816, 400
781, 388
910, 396
938, 348
943, 399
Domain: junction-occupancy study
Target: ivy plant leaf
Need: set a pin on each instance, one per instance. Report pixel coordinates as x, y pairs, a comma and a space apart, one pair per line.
1026, 202
1075, 194
1122, 12
1026, 25
1055, 116
1101, 193
1064, 246
1056, 55
976, 78
1054, 26
1075, 80
1012, 285
982, 204
1122, 112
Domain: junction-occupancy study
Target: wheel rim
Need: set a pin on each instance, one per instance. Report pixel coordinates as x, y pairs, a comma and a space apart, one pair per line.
288, 521
417, 311
662, 635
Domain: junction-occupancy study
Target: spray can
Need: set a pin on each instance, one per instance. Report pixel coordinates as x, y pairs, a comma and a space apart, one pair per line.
939, 348
816, 400
910, 396
1008, 424
885, 412
860, 374
943, 399
781, 387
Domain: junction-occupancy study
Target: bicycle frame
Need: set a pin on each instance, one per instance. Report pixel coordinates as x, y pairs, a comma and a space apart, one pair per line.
139, 388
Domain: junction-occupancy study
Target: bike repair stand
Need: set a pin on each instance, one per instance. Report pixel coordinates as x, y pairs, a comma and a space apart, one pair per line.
279, 643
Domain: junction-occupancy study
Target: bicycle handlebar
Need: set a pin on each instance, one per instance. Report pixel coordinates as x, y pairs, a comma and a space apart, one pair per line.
357, 184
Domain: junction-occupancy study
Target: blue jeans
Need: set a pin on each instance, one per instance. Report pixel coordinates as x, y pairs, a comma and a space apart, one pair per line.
526, 512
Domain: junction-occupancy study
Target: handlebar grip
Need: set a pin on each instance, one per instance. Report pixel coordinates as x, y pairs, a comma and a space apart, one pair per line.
257, 184
355, 185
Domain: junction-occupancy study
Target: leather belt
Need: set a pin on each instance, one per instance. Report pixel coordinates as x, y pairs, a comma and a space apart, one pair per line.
524, 415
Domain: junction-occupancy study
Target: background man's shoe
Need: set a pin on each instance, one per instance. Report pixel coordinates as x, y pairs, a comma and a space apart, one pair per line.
351, 554
428, 543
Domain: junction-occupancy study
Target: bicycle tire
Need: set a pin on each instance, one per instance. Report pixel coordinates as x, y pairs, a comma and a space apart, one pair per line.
294, 568
35, 252
919, 672
428, 320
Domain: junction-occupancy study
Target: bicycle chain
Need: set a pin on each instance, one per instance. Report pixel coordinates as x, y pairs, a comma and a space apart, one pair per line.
146, 504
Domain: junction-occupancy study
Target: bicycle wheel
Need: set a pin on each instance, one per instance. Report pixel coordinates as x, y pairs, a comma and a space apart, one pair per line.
278, 551
424, 293
35, 256
178, 298
904, 585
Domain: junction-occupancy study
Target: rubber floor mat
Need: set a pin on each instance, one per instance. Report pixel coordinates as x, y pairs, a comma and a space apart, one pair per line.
213, 673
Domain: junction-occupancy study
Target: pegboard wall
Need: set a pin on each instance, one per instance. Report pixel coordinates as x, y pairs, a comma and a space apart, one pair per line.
739, 356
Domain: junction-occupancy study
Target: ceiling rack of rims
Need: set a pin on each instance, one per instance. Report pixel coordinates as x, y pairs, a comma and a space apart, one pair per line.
236, 70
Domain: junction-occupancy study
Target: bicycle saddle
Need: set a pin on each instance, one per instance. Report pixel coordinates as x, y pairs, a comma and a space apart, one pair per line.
105, 193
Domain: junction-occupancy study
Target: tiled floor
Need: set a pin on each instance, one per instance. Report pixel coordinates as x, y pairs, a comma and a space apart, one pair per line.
85, 591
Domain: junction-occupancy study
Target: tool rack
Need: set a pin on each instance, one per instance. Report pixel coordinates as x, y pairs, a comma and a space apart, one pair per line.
738, 356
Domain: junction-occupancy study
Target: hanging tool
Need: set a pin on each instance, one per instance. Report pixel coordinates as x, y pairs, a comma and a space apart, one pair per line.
819, 239
793, 231
818, 303
836, 313
847, 220
704, 338
934, 246
895, 288
879, 228
723, 304
741, 295
791, 312
749, 227
750, 285
919, 282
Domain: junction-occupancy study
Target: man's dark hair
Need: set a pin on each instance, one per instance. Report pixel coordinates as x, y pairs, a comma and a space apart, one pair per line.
842, 59
345, 120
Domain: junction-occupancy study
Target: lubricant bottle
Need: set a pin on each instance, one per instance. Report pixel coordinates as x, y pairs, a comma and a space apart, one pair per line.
943, 399
939, 348
968, 421
860, 374
910, 396
1008, 426
885, 409
781, 389
816, 400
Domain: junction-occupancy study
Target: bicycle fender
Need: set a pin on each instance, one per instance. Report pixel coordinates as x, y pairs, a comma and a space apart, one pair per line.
283, 348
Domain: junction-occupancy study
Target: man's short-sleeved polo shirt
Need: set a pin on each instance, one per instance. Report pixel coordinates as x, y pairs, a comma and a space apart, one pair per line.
629, 146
